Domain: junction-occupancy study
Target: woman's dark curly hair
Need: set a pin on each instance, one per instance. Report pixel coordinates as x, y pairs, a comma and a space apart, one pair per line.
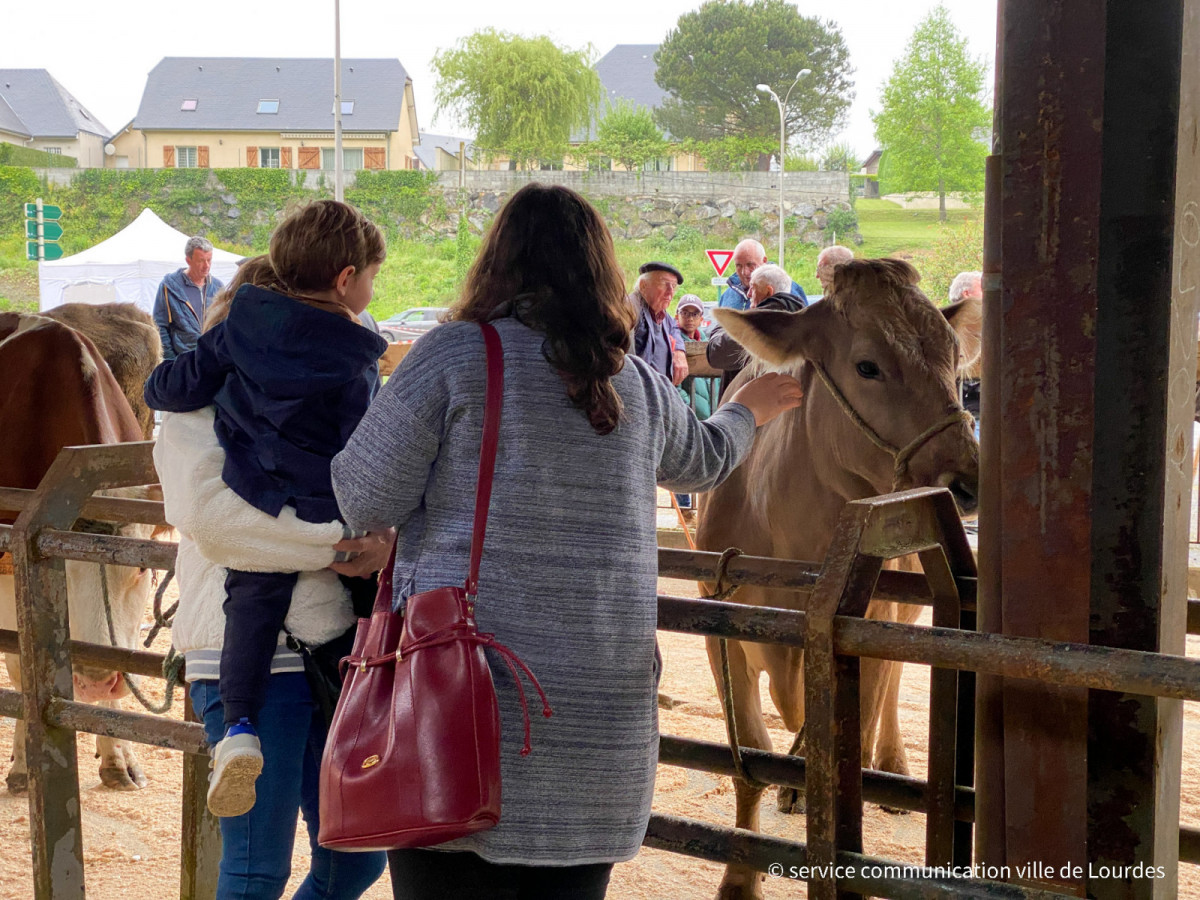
549, 255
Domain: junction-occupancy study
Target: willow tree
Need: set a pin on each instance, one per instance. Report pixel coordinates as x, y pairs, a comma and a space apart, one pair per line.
935, 121
522, 96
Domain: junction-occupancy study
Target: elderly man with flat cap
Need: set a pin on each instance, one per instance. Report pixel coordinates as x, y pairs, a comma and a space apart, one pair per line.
656, 337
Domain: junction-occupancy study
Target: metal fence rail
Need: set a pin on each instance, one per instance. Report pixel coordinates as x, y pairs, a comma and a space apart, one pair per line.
831, 630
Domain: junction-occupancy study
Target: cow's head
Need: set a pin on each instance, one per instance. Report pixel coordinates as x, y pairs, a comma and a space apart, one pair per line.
893, 357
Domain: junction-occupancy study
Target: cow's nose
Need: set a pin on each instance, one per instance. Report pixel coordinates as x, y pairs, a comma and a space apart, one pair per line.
965, 495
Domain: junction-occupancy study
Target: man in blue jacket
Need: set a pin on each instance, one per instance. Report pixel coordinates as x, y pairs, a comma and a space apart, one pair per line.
748, 255
183, 298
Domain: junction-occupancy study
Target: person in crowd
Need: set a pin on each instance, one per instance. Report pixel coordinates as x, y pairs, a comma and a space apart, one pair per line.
770, 288
696, 391
967, 289
183, 298
580, 612
748, 255
216, 523
284, 406
656, 335
689, 313
828, 260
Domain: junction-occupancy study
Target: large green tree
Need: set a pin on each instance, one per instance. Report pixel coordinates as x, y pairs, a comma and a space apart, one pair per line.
935, 121
521, 96
713, 58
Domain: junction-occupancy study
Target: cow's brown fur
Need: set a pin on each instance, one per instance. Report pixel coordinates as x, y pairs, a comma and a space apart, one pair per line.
57, 391
785, 499
127, 339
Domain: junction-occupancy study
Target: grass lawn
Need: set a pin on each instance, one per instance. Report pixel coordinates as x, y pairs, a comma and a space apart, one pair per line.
426, 274
889, 230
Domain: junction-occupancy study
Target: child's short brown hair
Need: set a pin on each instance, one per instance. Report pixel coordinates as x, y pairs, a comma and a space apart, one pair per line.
313, 245
255, 270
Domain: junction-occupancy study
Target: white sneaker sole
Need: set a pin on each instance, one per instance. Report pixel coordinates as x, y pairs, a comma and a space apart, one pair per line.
231, 791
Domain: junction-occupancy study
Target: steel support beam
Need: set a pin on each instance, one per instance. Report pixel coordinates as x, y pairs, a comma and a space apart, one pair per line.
1088, 318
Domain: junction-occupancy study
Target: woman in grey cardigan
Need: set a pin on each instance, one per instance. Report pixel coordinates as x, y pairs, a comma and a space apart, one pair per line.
568, 578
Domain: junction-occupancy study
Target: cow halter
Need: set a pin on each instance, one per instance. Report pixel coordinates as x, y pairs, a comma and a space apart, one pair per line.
900, 455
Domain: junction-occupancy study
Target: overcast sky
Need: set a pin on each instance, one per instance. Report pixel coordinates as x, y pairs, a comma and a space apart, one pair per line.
102, 52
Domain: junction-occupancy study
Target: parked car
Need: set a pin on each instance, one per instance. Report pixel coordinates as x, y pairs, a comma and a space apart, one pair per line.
410, 324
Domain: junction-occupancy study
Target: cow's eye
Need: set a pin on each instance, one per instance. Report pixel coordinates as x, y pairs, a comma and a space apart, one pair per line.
868, 369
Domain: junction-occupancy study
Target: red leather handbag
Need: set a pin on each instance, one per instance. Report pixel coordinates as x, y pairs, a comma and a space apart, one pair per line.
413, 753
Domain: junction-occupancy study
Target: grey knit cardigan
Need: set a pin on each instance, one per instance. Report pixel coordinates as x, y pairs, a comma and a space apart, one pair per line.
568, 578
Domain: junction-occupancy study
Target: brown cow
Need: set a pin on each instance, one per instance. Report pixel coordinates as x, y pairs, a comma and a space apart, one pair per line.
127, 338
893, 356
57, 391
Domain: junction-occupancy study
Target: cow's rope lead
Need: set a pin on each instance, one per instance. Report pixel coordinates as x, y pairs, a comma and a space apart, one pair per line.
172, 663
900, 455
723, 591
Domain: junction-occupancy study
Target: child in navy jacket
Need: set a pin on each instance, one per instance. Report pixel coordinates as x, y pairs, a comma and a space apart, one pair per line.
290, 376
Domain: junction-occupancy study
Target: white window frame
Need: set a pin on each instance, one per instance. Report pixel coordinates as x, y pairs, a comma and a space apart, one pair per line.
268, 158
55, 150
190, 154
268, 112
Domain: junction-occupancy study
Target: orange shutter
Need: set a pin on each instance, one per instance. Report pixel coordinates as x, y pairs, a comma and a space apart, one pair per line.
202, 157
285, 157
309, 157
168, 157
374, 158
252, 157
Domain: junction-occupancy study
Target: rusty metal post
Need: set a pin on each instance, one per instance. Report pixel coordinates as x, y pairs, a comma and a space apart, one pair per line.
1147, 272
833, 783
200, 846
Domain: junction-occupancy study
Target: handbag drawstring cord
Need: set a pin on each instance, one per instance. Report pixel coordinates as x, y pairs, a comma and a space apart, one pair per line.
440, 638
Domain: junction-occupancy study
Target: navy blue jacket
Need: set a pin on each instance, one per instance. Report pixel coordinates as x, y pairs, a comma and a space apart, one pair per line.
179, 324
289, 383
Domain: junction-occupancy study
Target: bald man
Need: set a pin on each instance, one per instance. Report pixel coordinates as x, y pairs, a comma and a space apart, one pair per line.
828, 260
748, 255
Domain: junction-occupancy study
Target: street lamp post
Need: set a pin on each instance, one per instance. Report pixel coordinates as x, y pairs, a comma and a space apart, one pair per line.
782, 104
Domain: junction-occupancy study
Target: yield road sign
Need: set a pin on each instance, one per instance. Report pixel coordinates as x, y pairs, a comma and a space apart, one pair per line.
719, 259
49, 251
51, 231
48, 211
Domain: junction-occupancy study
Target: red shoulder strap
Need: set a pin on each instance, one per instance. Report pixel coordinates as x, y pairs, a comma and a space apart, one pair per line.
493, 395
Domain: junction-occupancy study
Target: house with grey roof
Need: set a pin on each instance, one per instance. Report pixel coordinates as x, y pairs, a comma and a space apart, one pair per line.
444, 152
627, 74
38, 112
258, 112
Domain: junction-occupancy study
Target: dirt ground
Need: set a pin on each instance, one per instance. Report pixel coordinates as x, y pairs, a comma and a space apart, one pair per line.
131, 840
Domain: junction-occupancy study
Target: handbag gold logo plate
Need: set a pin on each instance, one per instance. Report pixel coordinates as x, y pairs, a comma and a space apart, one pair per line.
371, 760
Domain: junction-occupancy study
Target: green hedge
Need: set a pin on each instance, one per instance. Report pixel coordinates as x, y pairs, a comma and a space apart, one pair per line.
13, 155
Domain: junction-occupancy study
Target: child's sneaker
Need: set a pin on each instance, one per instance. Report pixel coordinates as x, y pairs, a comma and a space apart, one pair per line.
237, 762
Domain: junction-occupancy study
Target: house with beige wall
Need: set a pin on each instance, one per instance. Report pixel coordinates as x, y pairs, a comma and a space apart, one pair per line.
627, 73
38, 112
235, 112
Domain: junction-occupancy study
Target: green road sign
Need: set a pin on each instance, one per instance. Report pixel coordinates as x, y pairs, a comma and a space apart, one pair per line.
51, 231
48, 211
51, 251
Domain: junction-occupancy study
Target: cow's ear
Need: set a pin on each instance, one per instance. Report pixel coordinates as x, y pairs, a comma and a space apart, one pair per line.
775, 336
966, 318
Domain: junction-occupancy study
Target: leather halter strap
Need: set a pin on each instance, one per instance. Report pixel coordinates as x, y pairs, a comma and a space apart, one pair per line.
900, 455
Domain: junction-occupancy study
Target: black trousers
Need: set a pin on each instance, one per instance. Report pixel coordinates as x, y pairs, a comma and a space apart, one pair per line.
441, 875
256, 603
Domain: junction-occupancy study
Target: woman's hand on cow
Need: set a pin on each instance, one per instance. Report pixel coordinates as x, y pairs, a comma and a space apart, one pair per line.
372, 549
768, 395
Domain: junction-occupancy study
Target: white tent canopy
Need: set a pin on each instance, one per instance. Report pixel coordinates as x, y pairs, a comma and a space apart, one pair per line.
126, 268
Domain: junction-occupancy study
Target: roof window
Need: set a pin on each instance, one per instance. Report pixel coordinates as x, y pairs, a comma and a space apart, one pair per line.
268, 107
347, 108
188, 105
